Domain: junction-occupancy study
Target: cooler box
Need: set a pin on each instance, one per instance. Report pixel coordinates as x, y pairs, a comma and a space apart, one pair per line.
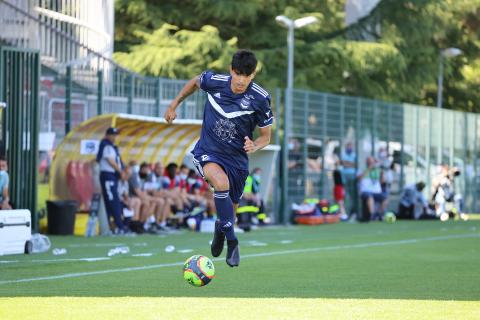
15, 232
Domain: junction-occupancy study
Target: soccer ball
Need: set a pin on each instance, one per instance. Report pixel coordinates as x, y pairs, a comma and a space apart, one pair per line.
198, 270
390, 217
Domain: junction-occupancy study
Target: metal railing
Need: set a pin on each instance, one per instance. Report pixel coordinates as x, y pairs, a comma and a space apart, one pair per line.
418, 140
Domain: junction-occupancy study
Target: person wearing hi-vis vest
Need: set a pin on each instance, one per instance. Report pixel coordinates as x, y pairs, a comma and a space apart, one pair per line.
111, 167
253, 200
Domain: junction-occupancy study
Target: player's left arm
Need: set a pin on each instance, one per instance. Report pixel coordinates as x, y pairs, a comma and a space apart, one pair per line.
264, 120
261, 142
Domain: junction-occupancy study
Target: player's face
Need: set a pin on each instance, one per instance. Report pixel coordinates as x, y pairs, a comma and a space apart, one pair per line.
240, 82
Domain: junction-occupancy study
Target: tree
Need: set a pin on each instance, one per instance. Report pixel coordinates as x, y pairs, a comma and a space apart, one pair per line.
175, 53
392, 54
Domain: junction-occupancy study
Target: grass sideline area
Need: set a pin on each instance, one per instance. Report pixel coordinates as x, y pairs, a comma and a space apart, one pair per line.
236, 308
405, 270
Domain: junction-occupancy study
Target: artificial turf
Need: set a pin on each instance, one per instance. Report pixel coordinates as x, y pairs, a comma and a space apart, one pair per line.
405, 270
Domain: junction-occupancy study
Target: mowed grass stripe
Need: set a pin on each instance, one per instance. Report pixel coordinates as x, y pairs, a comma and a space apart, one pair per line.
233, 308
247, 256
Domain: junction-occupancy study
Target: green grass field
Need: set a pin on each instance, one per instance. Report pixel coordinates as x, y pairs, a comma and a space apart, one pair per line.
406, 270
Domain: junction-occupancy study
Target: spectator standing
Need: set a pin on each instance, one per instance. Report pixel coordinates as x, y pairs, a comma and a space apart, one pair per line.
111, 165
348, 160
4, 182
339, 192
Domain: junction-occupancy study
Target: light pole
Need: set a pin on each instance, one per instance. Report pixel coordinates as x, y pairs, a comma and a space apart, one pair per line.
291, 25
445, 53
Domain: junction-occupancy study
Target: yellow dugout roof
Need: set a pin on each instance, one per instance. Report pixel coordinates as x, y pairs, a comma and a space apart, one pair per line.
141, 138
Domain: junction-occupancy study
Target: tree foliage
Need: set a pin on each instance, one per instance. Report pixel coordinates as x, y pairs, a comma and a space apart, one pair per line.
392, 54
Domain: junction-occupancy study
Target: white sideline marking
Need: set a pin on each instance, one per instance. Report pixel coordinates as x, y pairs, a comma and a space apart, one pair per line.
89, 245
254, 255
255, 243
185, 250
147, 254
57, 260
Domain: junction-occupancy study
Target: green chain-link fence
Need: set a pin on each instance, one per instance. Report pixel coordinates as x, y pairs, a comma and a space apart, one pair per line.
417, 139
19, 78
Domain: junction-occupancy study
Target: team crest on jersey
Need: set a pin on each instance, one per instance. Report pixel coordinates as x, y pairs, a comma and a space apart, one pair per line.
246, 101
225, 130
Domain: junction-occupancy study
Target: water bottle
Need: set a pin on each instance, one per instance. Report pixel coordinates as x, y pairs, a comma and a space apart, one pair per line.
40, 243
91, 227
118, 250
59, 251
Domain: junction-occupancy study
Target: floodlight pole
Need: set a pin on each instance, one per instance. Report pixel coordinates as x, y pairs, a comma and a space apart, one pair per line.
290, 42
440, 82
290, 25
445, 53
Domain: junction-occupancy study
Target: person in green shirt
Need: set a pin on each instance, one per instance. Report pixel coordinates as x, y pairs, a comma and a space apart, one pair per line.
252, 197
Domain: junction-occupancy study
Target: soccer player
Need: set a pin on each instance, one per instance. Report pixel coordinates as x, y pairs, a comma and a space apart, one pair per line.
234, 107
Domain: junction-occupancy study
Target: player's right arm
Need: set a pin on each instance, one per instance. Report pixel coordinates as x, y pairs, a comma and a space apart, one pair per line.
190, 87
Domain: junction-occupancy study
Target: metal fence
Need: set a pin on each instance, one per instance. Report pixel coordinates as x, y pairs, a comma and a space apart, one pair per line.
66, 102
79, 80
417, 139
19, 75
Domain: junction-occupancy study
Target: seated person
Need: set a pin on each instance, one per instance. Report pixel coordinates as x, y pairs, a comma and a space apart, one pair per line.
160, 207
166, 188
4, 181
173, 182
412, 202
193, 188
131, 204
371, 189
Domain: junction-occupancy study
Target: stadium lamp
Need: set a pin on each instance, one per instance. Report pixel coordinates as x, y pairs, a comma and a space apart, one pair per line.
445, 53
291, 25
302, 22
451, 52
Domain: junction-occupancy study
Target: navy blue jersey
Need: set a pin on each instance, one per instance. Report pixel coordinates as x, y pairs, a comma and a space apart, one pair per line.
228, 118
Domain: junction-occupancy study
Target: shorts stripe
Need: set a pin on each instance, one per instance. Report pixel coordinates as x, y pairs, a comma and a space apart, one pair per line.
199, 168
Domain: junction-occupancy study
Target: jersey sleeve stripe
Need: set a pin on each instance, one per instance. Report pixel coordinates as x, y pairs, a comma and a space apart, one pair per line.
260, 88
219, 79
219, 76
261, 93
268, 125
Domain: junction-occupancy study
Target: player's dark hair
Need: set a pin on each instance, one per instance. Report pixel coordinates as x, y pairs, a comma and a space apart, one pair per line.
244, 62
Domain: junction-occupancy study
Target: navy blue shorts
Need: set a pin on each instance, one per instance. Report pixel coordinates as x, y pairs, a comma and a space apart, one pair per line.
377, 197
236, 177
